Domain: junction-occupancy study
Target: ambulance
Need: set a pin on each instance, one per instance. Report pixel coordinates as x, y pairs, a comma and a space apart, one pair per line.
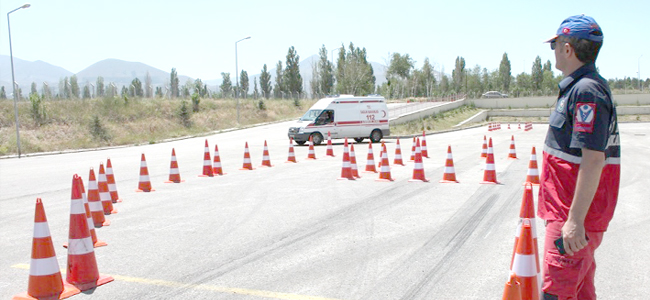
344, 116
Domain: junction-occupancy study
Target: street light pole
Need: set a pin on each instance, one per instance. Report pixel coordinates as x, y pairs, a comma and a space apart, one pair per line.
639, 74
237, 77
13, 79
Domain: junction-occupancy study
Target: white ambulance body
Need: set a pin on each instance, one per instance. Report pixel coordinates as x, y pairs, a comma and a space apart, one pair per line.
344, 116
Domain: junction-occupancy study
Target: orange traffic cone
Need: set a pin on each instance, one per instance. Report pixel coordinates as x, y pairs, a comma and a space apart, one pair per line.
418, 167
45, 280
370, 165
398, 155
519, 125
413, 151
207, 162
508, 125
484, 150
382, 148
95, 202
424, 151
525, 266
91, 225
104, 194
384, 174
512, 290
513, 152
353, 162
533, 173
144, 185
450, 172
216, 163
247, 159
110, 178
266, 159
292, 155
346, 169
82, 269
490, 174
311, 154
174, 173
527, 216
330, 150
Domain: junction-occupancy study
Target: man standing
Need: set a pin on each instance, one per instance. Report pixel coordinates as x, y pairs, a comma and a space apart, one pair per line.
581, 172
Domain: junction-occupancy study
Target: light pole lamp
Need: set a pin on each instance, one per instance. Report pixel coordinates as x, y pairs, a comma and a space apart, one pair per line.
237, 77
13, 79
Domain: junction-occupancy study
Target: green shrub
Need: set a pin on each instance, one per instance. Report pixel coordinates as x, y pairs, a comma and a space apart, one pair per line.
261, 105
184, 115
97, 129
195, 102
38, 109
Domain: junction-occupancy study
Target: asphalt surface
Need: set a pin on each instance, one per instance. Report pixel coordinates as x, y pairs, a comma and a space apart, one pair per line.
293, 231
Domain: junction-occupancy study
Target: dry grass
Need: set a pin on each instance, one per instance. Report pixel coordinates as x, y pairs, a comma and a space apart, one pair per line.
441, 121
69, 123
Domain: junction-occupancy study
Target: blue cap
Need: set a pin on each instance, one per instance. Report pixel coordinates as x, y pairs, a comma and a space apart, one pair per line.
580, 26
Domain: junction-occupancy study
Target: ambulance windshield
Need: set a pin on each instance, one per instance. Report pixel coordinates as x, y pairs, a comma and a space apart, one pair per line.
311, 115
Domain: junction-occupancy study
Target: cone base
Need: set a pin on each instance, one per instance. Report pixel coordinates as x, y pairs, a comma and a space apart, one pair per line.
290, 161
173, 181
343, 178
203, 175
107, 222
419, 180
448, 181
103, 279
512, 158
366, 171
117, 201
96, 245
490, 182
398, 164
145, 191
247, 169
114, 211
309, 158
267, 166
386, 180
68, 291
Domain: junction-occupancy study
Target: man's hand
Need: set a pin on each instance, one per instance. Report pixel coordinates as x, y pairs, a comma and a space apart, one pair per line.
574, 236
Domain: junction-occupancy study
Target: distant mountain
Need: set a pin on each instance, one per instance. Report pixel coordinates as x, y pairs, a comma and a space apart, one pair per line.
123, 72
30, 71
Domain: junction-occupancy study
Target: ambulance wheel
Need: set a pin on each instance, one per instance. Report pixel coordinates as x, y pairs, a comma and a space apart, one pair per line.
375, 136
317, 138
300, 143
358, 140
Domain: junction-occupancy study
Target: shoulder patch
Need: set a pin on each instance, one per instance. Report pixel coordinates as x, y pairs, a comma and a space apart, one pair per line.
585, 115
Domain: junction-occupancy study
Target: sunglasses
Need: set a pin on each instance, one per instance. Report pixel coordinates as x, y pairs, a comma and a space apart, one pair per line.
553, 44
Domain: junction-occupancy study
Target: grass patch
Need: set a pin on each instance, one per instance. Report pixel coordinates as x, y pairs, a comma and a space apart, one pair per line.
438, 122
79, 124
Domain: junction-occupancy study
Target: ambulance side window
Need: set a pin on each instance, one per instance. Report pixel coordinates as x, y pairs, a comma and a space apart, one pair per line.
326, 117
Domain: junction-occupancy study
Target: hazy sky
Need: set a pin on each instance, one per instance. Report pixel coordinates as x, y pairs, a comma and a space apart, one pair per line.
198, 37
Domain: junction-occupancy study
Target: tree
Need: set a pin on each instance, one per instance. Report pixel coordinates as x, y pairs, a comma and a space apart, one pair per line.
444, 83
428, 78
47, 93
74, 87
354, 72
137, 88
244, 84
256, 92
3, 93
86, 93
159, 92
34, 89
189, 85
265, 82
67, 92
505, 73
199, 87
547, 66
226, 85
292, 79
279, 84
326, 73
100, 86
458, 74
124, 92
537, 75
174, 83
147, 86
400, 66
314, 83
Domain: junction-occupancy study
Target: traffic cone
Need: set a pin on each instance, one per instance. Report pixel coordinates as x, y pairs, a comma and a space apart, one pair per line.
413, 151
382, 147
207, 162
104, 194
45, 281
508, 126
292, 154
490, 174
533, 173
95, 202
247, 159
519, 125
353, 162
513, 152
330, 150
425, 153
512, 290
346, 169
384, 174
216, 164
110, 178
82, 269
527, 216
450, 172
311, 154
485, 148
398, 154
266, 159
370, 165
91, 225
144, 185
418, 167
174, 173
525, 266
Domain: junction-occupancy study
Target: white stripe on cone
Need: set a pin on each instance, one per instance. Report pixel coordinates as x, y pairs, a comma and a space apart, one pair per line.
522, 263
80, 246
41, 230
44, 266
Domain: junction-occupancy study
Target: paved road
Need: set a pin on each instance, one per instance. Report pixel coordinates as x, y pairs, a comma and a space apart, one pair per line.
295, 232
